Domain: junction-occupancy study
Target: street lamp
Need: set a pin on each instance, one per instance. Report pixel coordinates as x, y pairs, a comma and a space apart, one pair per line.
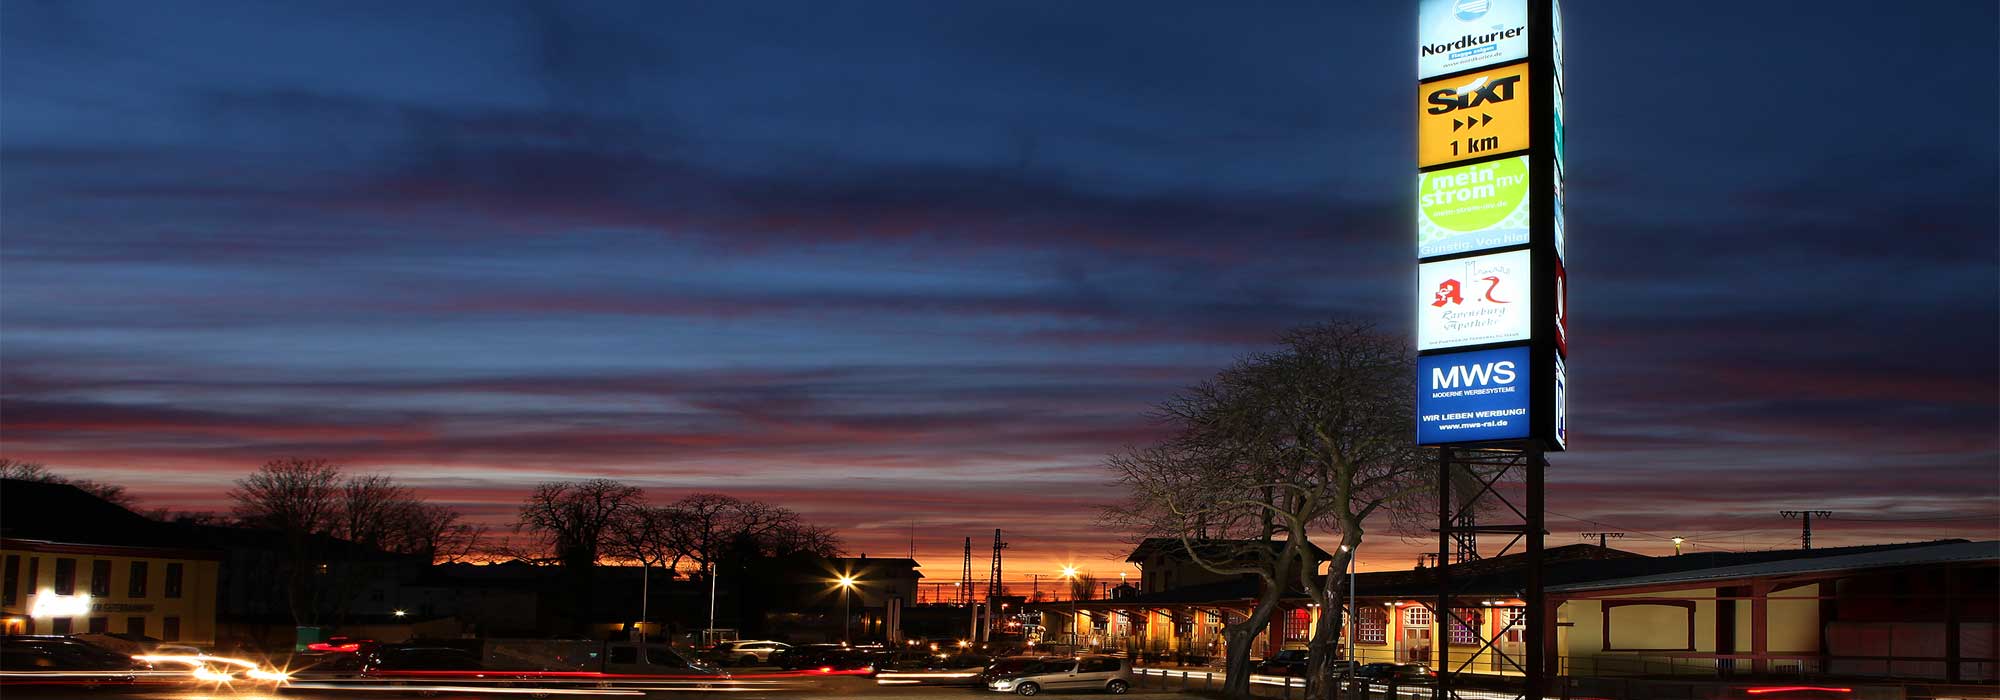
1069, 574
846, 608
1677, 545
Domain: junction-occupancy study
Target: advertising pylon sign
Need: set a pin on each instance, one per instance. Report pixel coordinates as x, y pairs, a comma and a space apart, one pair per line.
1493, 288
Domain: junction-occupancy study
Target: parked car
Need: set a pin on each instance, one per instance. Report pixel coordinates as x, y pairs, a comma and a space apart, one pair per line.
325, 664
613, 657
30, 659
392, 658
923, 667
861, 659
801, 656
746, 652
1297, 662
1107, 673
1289, 662
1400, 674
135, 644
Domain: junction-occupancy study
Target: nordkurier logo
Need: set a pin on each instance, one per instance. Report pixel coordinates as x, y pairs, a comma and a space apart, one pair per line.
1468, 10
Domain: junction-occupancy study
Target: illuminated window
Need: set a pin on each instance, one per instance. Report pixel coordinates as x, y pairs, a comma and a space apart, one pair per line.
1416, 616
65, 578
1373, 625
136, 588
1465, 625
100, 578
1298, 625
173, 587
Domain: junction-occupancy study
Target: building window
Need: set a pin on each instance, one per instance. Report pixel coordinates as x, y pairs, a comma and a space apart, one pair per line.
1417, 616
34, 576
1373, 627
1298, 625
61, 625
137, 588
12, 594
100, 578
1465, 625
170, 629
135, 624
1516, 620
100, 625
173, 587
65, 577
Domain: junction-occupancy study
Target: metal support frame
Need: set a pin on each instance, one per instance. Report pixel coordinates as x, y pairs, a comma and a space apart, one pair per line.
1479, 468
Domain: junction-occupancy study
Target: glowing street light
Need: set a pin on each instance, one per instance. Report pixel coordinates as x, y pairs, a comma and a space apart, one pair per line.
846, 608
1677, 545
402, 613
1069, 574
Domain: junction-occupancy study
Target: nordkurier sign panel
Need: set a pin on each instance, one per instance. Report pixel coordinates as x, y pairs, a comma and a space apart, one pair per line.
1455, 35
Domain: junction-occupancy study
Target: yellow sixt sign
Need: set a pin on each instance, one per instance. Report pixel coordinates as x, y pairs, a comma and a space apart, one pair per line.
1473, 115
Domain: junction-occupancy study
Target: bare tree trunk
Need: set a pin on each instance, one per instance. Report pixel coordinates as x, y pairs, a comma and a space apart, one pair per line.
1241, 635
1320, 683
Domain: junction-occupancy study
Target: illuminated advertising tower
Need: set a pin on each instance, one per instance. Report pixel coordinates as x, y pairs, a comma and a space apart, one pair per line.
1492, 292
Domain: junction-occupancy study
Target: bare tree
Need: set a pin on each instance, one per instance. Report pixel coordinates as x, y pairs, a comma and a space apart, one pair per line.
1283, 446
374, 511
433, 531
294, 496
35, 471
299, 498
1080, 587
710, 527
574, 518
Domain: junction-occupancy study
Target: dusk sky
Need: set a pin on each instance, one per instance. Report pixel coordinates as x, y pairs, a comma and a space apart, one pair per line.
927, 263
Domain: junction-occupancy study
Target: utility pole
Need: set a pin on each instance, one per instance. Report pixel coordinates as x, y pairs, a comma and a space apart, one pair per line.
1602, 535
965, 575
994, 589
1805, 534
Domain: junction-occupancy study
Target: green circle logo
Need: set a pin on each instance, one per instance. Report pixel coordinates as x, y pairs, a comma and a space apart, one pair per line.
1475, 197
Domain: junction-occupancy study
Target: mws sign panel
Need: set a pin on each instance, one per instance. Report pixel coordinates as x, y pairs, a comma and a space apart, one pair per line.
1473, 301
1472, 116
1456, 35
1473, 396
1473, 207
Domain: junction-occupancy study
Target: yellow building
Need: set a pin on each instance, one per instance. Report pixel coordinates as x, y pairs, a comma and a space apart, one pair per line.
58, 588
1921, 611
71, 563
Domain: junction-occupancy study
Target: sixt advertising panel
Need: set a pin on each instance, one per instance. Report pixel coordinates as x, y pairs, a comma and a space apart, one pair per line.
1473, 301
1473, 207
1456, 35
1473, 116
1473, 396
